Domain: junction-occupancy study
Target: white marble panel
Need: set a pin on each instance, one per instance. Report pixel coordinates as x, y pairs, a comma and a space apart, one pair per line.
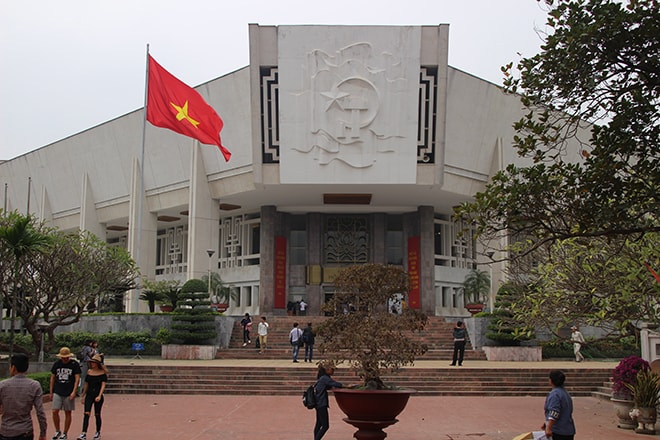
348, 103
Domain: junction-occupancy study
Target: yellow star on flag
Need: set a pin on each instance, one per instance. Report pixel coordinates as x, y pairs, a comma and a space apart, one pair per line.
183, 114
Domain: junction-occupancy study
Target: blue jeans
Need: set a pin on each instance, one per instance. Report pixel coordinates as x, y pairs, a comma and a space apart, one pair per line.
296, 349
309, 351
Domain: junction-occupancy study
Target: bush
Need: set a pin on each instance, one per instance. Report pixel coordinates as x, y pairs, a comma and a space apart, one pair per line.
111, 344
43, 379
194, 320
593, 349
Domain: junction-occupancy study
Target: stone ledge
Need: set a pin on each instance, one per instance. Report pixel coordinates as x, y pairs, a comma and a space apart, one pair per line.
516, 354
187, 352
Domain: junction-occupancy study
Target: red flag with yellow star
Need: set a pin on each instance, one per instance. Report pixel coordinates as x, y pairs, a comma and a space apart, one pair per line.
173, 104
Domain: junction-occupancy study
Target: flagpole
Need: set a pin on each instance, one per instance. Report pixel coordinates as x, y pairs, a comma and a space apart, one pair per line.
138, 252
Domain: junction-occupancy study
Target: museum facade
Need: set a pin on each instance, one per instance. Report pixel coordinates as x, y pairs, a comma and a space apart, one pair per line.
350, 145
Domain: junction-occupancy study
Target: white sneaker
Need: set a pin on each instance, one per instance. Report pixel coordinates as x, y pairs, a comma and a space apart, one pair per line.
97, 435
82, 436
57, 435
244, 344
63, 436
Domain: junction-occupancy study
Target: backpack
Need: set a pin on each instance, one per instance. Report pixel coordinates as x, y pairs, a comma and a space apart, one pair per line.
309, 397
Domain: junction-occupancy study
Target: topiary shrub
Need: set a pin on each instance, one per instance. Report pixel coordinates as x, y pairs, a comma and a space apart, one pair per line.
503, 328
193, 320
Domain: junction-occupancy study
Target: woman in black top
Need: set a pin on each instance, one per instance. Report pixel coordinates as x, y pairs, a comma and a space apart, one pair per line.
323, 384
92, 393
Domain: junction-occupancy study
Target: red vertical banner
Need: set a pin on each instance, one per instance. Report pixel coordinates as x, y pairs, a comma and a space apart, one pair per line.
280, 273
413, 271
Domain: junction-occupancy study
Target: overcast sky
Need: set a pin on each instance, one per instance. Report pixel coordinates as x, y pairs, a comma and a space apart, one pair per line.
69, 65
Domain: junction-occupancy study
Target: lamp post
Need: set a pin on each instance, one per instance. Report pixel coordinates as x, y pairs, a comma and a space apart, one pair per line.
491, 294
210, 252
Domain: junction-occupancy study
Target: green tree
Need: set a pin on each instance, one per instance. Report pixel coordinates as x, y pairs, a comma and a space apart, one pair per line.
594, 87
194, 320
79, 270
164, 291
506, 328
19, 240
597, 281
476, 286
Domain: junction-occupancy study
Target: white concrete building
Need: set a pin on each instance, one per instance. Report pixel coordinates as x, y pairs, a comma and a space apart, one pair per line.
350, 144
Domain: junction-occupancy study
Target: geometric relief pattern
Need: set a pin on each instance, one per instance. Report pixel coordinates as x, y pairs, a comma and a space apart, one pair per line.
427, 112
270, 127
346, 239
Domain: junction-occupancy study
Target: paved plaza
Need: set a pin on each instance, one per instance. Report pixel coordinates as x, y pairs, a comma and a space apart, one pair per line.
190, 417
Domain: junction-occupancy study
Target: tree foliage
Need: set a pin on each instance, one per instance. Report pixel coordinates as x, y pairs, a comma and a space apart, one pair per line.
596, 281
59, 282
370, 338
594, 86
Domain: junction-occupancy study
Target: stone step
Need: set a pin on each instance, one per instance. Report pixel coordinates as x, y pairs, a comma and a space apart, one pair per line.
128, 379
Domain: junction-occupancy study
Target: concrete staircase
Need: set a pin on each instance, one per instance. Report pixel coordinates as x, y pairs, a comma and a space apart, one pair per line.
166, 379
437, 335
292, 380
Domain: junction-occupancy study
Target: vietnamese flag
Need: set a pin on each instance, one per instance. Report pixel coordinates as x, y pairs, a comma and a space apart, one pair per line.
173, 104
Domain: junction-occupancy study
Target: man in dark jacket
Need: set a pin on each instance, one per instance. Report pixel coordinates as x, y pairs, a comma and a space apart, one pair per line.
308, 339
459, 335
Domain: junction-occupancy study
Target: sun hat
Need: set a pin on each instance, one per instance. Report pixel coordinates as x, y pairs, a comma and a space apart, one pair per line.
65, 352
96, 358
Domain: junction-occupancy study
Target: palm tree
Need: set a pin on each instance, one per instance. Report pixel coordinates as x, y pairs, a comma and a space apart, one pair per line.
20, 239
476, 286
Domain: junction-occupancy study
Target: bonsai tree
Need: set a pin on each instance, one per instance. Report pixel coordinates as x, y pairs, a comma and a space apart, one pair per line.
366, 335
504, 328
476, 286
193, 320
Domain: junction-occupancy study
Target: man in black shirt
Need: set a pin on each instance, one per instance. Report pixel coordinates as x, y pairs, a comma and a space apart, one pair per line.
64, 380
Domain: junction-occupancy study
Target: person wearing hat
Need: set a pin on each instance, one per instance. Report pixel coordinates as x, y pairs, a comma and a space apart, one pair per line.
18, 396
578, 340
92, 394
64, 379
324, 382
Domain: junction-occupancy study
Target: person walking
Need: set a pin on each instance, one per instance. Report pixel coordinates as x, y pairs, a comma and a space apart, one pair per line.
18, 396
262, 331
324, 382
64, 379
308, 339
85, 355
459, 335
246, 323
303, 307
558, 410
295, 338
578, 340
92, 395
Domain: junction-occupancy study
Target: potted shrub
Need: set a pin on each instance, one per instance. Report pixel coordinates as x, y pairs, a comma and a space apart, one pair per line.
623, 375
372, 341
193, 324
476, 287
221, 293
165, 292
646, 397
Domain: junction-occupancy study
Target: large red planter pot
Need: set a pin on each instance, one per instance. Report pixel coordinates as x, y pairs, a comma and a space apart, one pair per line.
371, 410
